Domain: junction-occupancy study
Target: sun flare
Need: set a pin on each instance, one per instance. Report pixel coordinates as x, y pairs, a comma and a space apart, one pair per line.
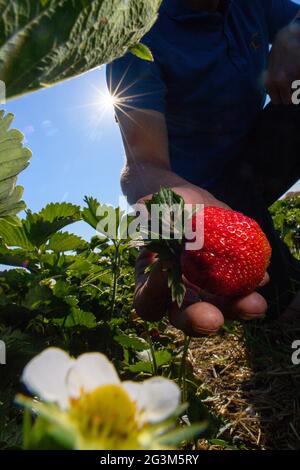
107, 101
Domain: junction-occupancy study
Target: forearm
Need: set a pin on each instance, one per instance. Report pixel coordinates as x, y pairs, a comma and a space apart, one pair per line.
139, 181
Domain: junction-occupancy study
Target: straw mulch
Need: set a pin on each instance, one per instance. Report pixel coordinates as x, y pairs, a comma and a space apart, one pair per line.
252, 385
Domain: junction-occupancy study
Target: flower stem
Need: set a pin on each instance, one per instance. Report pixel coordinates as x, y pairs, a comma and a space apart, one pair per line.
182, 371
150, 342
115, 279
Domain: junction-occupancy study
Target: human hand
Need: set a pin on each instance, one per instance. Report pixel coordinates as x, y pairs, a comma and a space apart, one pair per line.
153, 299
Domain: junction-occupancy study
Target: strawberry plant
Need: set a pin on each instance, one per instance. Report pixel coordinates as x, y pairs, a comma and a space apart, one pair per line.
61, 290
43, 42
286, 216
14, 158
58, 289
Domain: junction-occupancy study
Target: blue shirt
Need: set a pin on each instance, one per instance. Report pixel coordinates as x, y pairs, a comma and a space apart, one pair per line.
206, 79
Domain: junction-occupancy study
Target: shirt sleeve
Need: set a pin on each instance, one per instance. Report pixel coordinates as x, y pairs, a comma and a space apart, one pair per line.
136, 83
280, 14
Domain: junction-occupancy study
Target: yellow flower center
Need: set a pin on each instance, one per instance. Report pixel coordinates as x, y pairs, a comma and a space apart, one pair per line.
105, 418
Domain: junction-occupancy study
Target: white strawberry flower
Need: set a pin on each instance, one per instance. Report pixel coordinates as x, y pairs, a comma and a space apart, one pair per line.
105, 412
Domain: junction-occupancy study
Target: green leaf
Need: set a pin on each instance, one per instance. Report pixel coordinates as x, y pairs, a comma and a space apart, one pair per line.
80, 318
14, 158
37, 228
169, 249
64, 291
27, 423
141, 366
165, 196
186, 433
80, 267
199, 412
12, 204
41, 226
61, 242
63, 211
175, 284
142, 51
103, 218
14, 235
89, 213
44, 42
162, 357
36, 296
61, 288
51, 430
130, 341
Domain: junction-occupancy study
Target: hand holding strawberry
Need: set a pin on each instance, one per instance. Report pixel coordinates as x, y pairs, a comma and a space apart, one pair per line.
194, 317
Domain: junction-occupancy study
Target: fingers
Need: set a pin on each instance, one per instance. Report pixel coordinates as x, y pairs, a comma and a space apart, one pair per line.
265, 280
205, 318
152, 296
153, 300
251, 307
200, 318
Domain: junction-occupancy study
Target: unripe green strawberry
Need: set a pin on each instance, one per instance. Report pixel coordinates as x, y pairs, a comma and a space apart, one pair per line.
235, 255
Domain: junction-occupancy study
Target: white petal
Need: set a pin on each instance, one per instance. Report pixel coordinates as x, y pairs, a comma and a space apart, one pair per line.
90, 371
158, 398
133, 389
45, 375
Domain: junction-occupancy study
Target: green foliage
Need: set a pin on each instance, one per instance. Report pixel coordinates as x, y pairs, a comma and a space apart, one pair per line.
61, 242
169, 249
142, 51
74, 294
33, 232
14, 158
43, 42
286, 217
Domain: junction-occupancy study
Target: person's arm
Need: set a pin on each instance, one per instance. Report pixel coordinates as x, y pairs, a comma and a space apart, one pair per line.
140, 91
284, 60
147, 167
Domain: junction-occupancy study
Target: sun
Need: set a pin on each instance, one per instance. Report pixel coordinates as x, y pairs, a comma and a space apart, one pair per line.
100, 110
104, 105
107, 101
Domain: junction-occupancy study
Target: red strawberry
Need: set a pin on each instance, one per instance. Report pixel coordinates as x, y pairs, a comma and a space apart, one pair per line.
235, 255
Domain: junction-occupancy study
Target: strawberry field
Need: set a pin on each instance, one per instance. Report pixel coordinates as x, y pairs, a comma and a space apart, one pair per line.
60, 290
72, 344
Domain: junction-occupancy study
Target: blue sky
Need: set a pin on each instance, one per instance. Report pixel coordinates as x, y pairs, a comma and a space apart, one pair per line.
76, 144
